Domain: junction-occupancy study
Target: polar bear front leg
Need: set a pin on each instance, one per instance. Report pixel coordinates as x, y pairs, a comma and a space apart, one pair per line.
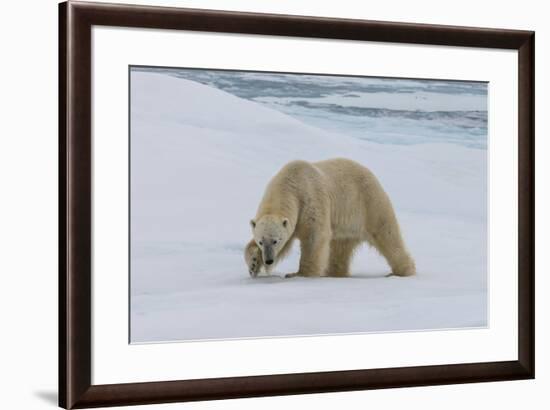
341, 253
314, 256
253, 258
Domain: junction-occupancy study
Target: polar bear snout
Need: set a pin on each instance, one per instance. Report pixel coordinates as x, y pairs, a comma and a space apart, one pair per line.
268, 254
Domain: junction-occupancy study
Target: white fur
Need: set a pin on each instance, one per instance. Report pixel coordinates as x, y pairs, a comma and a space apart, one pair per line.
331, 207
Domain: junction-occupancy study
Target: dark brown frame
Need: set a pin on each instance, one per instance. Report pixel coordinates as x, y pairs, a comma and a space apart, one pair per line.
75, 22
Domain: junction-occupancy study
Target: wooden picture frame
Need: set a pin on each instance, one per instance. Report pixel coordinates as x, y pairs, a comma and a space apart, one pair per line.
75, 194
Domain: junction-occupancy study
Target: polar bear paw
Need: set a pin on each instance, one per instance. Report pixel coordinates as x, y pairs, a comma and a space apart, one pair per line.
254, 261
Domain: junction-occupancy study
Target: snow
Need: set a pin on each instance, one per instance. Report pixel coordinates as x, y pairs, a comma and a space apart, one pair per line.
200, 160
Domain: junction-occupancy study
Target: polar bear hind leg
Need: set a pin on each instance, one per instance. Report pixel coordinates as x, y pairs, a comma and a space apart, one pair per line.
390, 244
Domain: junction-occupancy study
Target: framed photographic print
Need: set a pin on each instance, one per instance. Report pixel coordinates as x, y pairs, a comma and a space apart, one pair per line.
256, 204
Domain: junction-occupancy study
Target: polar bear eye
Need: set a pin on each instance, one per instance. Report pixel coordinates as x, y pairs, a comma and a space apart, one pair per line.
261, 243
275, 241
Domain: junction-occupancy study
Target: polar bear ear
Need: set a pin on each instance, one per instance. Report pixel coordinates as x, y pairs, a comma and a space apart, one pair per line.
285, 222
252, 223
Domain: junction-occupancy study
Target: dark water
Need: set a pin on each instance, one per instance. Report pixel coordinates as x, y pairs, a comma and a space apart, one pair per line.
383, 110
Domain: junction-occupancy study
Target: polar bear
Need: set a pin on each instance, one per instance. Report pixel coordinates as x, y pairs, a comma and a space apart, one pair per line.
331, 207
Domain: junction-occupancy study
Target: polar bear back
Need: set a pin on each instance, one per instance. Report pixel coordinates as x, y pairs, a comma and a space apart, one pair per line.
358, 201
337, 190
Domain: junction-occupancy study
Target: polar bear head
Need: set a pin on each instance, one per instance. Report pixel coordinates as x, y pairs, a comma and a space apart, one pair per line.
271, 233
